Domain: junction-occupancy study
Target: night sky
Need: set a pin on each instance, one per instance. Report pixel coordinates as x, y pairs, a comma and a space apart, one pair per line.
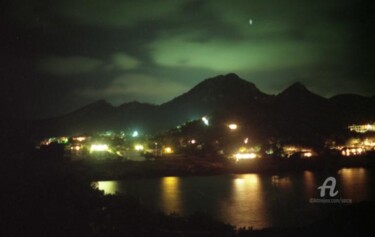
57, 56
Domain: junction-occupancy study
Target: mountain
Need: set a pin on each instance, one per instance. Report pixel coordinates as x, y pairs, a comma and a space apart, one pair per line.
296, 111
211, 95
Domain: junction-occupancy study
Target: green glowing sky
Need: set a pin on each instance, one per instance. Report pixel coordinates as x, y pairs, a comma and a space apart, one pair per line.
60, 55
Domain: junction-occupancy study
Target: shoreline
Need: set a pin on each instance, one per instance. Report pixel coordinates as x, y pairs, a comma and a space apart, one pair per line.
117, 170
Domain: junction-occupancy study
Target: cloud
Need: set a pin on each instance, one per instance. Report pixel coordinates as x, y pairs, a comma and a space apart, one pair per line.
68, 65
77, 65
223, 56
123, 61
140, 87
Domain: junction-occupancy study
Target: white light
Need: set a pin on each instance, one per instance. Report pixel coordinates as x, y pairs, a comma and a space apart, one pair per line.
246, 140
240, 156
99, 147
232, 126
135, 134
205, 121
138, 147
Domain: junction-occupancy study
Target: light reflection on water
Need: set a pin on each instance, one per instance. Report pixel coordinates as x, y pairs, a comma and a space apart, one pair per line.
246, 197
257, 200
171, 195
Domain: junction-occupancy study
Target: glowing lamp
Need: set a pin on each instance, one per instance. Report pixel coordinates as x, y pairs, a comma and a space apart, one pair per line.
135, 134
138, 147
168, 150
232, 126
205, 121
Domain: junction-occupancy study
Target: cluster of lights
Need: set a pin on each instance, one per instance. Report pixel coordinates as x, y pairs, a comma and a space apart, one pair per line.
353, 151
79, 139
362, 128
305, 152
76, 148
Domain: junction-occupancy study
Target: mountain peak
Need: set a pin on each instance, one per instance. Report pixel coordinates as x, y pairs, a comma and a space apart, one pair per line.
298, 91
296, 88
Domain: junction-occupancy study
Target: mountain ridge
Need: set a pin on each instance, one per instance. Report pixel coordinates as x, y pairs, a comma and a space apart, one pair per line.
220, 93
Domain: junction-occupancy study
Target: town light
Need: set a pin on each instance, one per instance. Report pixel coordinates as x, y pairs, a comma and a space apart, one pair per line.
205, 121
135, 134
168, 150
233, 126
99, 147
138, 147
80, 139
245, 156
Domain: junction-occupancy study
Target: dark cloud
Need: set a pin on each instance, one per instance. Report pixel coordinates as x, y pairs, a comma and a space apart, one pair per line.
59, 55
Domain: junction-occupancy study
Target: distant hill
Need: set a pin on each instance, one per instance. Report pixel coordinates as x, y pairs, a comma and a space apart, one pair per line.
296, 111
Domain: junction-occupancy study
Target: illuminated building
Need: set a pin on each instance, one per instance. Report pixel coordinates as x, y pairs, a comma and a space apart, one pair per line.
244, 156
364, 128
302, 151
245, 153
79, 139
99, 148
356, 147
353, 151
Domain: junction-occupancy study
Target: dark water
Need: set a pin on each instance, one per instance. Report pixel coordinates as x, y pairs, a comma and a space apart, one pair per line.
257, 200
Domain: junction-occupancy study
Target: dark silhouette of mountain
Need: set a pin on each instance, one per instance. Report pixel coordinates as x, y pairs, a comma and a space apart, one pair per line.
295, 113
211, 95
298, 93
353, 108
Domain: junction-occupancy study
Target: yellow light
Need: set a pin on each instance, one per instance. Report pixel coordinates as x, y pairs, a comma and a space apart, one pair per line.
108, 187
80, 139
99, 147
168, 150
77, 148
307, 154
233, 126
139, 147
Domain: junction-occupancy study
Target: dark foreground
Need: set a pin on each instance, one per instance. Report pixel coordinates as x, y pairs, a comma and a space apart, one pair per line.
53, 198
